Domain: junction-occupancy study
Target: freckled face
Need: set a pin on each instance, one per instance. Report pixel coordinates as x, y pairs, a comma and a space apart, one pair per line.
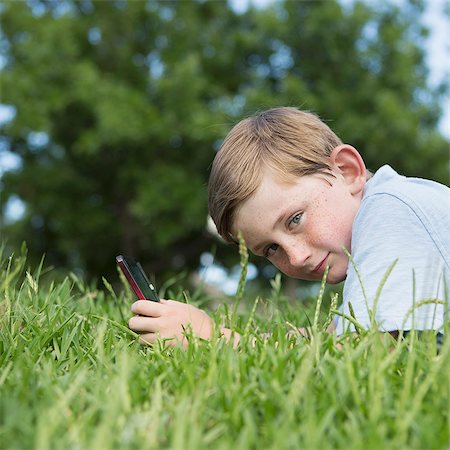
301, 226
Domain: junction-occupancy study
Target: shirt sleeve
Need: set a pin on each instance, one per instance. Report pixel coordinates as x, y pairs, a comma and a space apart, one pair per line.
397, 275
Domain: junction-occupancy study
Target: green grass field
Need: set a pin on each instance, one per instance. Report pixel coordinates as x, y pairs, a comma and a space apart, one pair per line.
72, 376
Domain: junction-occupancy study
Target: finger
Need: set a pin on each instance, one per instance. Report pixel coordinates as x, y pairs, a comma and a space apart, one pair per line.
152, 338
170, 302
148, 338
147, 308
141, 324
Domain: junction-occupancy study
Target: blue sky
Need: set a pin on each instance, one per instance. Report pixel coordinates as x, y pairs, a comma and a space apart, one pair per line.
438, 52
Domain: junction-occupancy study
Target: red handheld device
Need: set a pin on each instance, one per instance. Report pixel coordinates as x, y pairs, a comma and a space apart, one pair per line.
137, 278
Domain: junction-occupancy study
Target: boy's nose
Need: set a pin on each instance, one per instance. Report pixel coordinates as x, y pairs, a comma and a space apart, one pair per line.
298, 254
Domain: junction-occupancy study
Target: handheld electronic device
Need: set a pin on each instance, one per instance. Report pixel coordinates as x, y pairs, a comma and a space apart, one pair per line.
137, 278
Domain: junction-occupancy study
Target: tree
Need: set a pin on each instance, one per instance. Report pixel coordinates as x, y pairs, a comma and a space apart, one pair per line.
131, 99
362, 69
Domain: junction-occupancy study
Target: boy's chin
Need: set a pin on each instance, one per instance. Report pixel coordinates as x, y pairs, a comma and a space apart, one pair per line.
335, 279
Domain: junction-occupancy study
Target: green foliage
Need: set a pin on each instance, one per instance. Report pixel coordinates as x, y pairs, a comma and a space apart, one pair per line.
73, 376
135, 96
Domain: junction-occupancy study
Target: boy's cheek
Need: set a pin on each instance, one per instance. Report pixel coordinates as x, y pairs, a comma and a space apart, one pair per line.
290, 271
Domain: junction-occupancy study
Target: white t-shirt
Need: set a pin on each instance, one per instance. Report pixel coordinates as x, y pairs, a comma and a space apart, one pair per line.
408, 220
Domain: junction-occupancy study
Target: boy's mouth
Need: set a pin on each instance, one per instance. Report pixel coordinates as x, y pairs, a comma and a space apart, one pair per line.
321, 266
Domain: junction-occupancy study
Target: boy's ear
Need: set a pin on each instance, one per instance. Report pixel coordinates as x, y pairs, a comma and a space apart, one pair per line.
346, 161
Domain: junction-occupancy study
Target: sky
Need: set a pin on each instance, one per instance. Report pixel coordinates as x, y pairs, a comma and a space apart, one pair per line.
438, 52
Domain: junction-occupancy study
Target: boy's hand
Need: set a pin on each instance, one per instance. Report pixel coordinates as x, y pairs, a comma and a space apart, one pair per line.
168, 319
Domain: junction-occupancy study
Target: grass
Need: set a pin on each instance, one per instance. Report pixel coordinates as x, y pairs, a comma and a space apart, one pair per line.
72, 376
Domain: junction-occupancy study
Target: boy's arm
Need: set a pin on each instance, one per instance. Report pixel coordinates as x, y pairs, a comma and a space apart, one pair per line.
228, 335
172, 321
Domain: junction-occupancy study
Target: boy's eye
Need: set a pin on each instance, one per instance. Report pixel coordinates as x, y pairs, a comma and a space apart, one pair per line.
271, 250
295, 219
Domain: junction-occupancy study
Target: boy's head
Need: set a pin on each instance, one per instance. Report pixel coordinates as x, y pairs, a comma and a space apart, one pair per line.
288, 183
286, 141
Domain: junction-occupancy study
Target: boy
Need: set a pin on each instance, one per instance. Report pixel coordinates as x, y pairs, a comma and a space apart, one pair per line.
303, 199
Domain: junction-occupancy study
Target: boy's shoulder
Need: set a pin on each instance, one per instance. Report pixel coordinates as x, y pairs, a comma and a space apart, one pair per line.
398, 211
387, 181
400, 242
429, 200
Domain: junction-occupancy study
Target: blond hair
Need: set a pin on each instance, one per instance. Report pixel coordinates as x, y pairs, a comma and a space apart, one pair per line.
290, 142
